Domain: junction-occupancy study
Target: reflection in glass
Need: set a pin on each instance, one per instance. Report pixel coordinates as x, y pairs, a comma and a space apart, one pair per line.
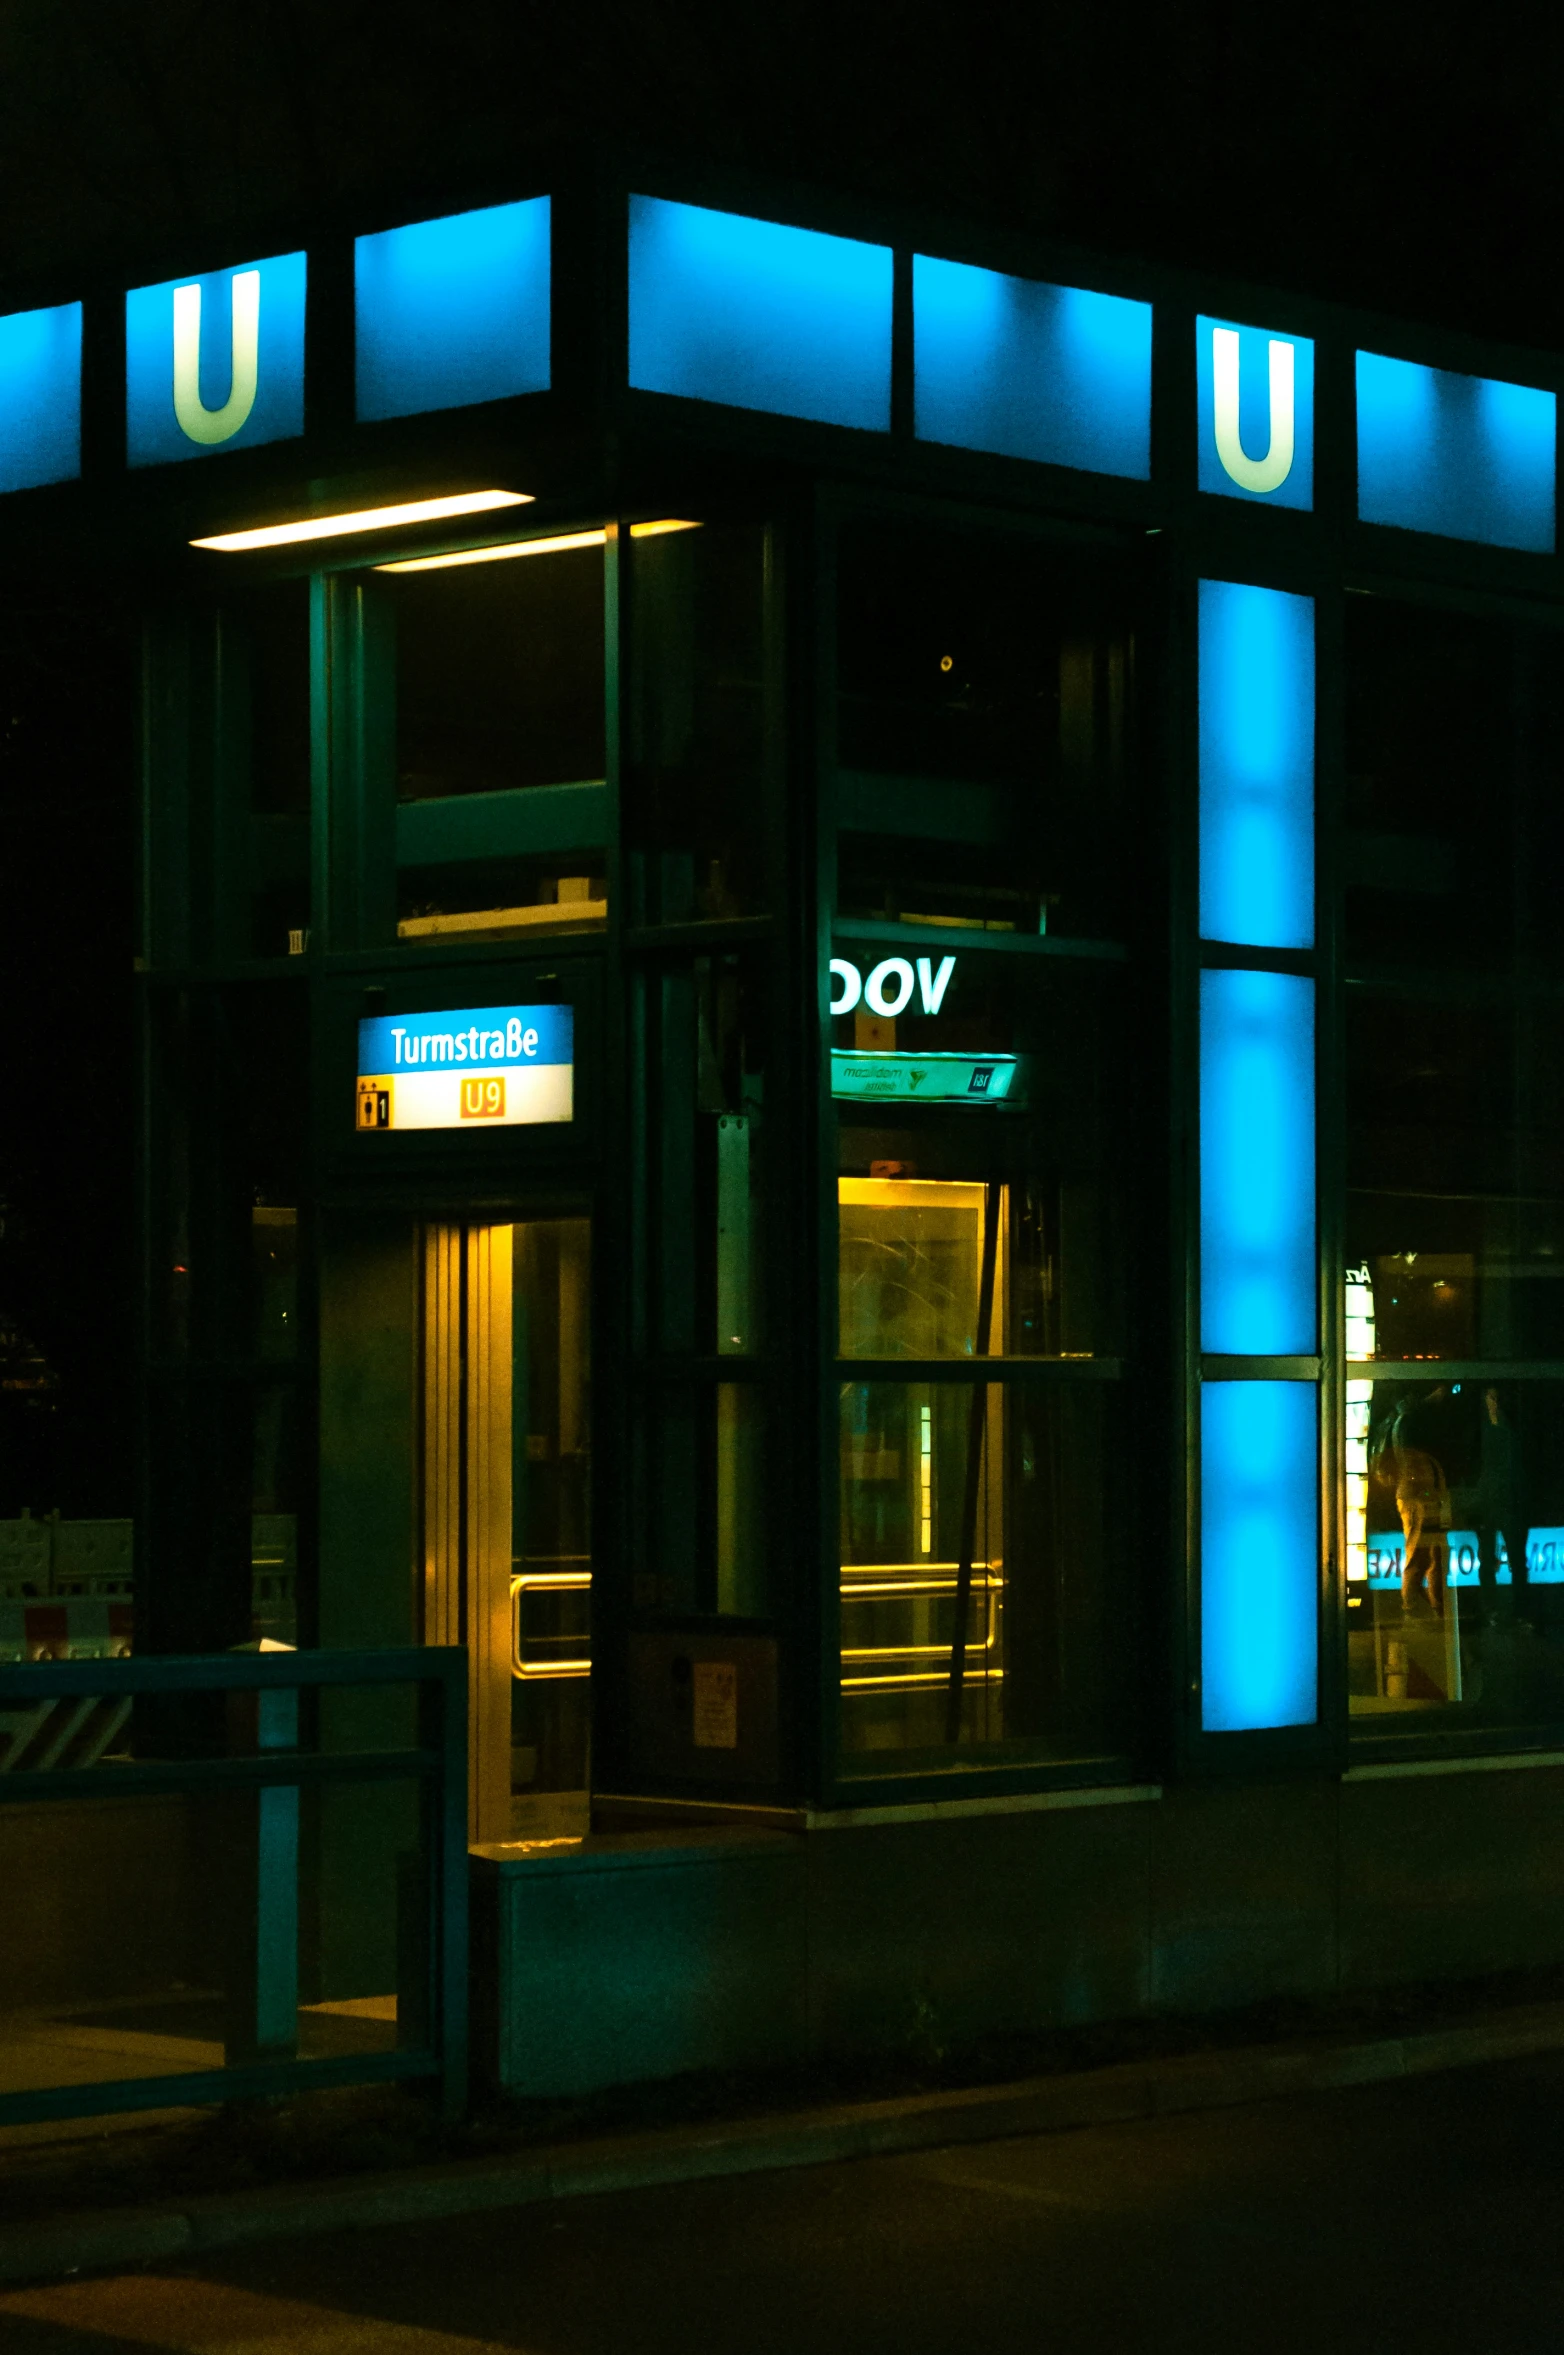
983, 1599
1455, 1554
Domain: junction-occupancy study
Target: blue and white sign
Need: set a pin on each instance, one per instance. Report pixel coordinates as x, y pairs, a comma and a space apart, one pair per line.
215, 363
1254, 392
473, 1067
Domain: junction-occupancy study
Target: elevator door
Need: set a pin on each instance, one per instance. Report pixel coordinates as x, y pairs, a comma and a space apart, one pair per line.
505, 1495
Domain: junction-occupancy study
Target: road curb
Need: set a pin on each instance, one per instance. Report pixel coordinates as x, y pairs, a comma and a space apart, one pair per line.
109, 2240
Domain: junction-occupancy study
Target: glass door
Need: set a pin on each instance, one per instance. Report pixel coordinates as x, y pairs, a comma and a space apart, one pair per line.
505, 1509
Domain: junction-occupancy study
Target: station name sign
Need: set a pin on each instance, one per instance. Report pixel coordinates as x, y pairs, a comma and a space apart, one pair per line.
474, 1067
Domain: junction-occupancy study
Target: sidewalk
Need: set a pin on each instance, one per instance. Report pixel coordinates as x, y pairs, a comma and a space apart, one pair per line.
47, 2248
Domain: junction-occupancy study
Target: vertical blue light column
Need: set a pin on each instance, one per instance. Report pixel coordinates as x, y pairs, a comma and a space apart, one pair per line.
1259, 1448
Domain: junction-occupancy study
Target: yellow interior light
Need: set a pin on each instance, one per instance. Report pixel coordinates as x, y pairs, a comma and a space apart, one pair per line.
649, 531
367, 519
498, 555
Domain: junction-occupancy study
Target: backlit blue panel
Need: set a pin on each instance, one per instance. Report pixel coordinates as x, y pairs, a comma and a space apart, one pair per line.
454, 311
224, 373
724, 308
1257, 1211
1031, 371
40, 397
1256, 766
1259, 1555
1254, 392
1463, 455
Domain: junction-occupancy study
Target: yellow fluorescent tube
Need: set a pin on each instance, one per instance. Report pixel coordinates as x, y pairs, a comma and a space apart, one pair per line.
497, 555
367, 519
649, 531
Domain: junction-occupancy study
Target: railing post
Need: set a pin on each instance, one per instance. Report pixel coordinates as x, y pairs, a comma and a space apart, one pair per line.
262, 1982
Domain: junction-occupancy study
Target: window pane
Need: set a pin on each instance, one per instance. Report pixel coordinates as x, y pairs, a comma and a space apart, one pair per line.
499, 675
1455, 1158
1026, 1174
266, 674
1455, 1551
978, 1531
707, 1045
694, 798
1455, 762
984, 731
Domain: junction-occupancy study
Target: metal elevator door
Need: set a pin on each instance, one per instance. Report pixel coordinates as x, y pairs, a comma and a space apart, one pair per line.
505, 1507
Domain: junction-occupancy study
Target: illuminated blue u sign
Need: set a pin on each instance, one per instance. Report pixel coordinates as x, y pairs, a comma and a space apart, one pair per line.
215, 362
1255, 399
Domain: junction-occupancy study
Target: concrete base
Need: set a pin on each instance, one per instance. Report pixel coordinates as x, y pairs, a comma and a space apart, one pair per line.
639, 1955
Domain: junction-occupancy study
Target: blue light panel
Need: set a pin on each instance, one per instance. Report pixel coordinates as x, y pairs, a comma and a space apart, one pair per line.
1031, 371
760, 316
1466, 456
1269, 432
1259, 1555
1256, 766
242, 390
40, 397
1257, 1209
454, 311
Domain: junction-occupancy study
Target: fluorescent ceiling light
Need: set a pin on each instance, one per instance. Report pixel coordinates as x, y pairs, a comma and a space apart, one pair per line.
499, 555
367, 519
503, 553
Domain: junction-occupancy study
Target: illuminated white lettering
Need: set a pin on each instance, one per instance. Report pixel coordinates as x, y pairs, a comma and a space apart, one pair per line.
852, 986
931, 985
196, 421
496, 1044
513, 1038
1252, 474
893, 970
399, 1036
529, 1042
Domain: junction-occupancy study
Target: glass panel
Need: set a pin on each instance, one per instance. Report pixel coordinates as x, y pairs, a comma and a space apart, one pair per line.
1455, 1160
1455, 1555
705, 1541
272, 730
1259, 1555
694, 804
920, 1180
708, 1045
984, 732
551, 1487
977, 1532
1455, 762
499, 674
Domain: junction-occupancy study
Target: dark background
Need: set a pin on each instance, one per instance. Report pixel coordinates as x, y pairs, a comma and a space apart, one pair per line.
1403, 157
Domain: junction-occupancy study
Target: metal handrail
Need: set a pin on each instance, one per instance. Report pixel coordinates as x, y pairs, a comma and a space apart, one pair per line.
437, 1762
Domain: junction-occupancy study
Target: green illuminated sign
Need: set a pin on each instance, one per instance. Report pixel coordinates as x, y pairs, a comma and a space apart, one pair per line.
924, 1079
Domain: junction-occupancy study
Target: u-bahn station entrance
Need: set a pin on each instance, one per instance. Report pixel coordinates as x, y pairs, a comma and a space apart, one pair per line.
850, 1031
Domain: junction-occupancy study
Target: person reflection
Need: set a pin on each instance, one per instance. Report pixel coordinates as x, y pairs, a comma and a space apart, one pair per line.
1415, 1460
1496, 1503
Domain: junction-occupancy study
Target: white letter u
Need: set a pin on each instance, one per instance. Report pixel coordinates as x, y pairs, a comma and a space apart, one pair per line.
198, 422
1252, 474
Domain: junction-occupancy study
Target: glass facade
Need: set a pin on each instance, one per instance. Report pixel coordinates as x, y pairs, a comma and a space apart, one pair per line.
1454, 1170
1035, 1253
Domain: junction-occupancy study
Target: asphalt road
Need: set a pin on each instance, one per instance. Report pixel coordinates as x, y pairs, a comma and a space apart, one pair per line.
1424, 2216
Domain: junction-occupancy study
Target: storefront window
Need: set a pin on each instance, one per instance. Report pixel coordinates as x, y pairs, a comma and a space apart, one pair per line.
985, 740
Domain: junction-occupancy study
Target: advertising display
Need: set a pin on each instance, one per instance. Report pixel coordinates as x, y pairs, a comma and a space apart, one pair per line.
470, 1067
